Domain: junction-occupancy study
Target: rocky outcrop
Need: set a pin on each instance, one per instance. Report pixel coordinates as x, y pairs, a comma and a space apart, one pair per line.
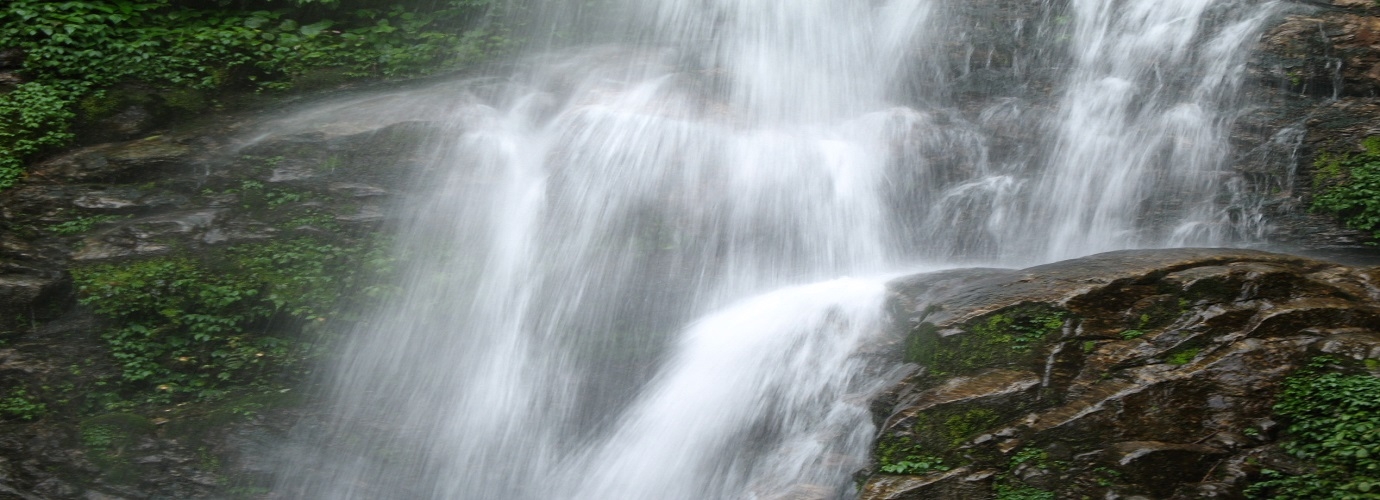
195, 191
1316, 90
1135, 374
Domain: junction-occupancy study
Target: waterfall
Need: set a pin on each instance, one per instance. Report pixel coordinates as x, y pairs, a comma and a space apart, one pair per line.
652, 266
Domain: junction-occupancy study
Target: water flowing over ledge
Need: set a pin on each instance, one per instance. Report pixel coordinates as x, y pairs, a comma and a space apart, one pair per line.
579, 214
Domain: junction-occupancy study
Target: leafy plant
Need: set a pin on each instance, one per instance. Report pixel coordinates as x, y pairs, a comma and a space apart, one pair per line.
34, 117
188, 328
960, 427
1349, 187
1009, 492
74, 49
902, 456
1334, 425
21, 406
82, 224
915, 465
1020, 331
1033, 456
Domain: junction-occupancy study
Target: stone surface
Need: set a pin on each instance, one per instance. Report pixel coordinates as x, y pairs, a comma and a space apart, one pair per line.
1148, 373
182, 192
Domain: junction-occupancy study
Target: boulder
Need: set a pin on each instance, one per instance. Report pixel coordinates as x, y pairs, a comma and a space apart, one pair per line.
1128, 373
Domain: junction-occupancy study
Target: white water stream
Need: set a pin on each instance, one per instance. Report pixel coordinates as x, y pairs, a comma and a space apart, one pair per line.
609, 293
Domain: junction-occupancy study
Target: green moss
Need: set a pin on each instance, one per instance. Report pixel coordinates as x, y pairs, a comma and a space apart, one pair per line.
1132, 334
185, 99
1002, 338
1182, 357
114, 431
107, 437
959, 428
1021, 492
99, 105
186, 327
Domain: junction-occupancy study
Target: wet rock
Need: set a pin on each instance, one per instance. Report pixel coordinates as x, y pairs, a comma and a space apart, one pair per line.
146, 159
1160, 466
12, 58
27, 297
1317, 88
146, 236
1147, 373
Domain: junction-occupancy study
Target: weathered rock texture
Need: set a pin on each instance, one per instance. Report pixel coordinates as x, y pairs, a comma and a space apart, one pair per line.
1148, 373
1316, 89
193, 191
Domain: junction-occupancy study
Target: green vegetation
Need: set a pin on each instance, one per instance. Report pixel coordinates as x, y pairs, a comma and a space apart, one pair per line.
904, 457
1007, 487
74, 50
187, 328
20, 406
1033, 456
1020, 329
998, 339
1008, 492
34, 117
1348, 186
959, 428
82, 224
1334, 426
1132, 334
1182, 357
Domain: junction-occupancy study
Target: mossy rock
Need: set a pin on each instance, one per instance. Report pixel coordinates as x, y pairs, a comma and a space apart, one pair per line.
1013, 336
199, 423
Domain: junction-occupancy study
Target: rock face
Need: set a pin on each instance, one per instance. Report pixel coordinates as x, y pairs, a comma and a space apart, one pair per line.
1135, 373
198, 190
1316, 90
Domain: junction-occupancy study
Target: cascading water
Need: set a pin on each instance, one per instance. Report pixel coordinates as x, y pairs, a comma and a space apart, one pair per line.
577, 218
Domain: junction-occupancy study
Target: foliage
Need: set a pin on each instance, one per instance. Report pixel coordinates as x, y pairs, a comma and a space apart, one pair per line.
1183, 357
1001, 338
99, 42
20, 406
902, 456
1349, 186
82, 224
963, 426
1132, 334
73, 49
1020, 331
34, 117
187, 328
1034, 456
1008, 492
1334, 425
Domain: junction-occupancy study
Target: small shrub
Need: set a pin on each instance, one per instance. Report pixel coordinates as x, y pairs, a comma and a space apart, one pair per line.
1349, 186
21, 406
903, 457
191, 328
1334, 426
